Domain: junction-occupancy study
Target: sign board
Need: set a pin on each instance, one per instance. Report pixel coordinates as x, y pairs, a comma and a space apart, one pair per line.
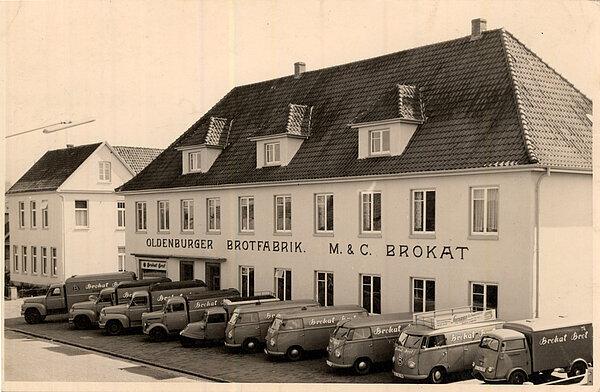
154, 265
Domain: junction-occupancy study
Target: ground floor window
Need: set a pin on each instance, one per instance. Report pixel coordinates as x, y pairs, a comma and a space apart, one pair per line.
371, 293
34, 266
44, 260
484, 296
324, 288
283, 284
423, 295
54, 261
246, 281
24, 257
186, 270
121, 258
16, 257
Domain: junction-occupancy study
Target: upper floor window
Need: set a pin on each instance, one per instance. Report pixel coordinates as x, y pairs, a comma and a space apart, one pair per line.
379, 141
45, 217
484, 206
163, 215
22, 214
213, 213
33, 214
283, 213
120, 214
81, 213
324, 212
371, 212
423, 295
246, 213
187, 215
194, 161
140, 216
272, 153
423, 211
104, 171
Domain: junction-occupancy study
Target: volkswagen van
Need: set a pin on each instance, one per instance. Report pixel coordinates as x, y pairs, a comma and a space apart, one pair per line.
292, 333
360, 342
441, 342
248, 325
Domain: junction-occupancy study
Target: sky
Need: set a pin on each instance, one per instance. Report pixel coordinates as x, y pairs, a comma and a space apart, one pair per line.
145, 71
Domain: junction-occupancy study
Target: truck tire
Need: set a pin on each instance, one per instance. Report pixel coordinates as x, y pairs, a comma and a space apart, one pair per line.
517, 377
82, 322
294, 353
437, 375
114, 327
362, 366
157, 334
250, 345
33, 316
188, 342
577, 369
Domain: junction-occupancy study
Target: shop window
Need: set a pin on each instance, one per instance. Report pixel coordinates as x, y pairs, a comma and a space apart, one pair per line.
81, 214
24, 258
371, 293
484, 206
45, 217
246, 281
163, 215
246, 214
283, 214
53, 261
324, 213
104, 171
34, 264
44, 260
324, 288
272, 154
21, 214
121, 258
283, 284
213, 207
484, 296
16, 257
423, 212
423, 295
33, 214
186, 270
140, 216
187, 215
379, 141
121, 214
371, 212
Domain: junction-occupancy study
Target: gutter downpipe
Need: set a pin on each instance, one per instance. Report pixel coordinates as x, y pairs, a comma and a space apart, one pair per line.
62, 207
536, 312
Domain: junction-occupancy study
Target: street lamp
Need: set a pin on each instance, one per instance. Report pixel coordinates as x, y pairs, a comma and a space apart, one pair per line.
67, 124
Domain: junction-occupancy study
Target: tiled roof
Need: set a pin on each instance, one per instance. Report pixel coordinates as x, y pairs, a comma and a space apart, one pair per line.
52, 169
488, 102
137, 157
213, 131
399, 102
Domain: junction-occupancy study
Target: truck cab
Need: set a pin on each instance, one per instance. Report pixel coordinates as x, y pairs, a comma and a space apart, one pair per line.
501, 353
85, 314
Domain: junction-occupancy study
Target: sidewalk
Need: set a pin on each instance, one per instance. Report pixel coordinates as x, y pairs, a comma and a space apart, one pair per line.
12, 309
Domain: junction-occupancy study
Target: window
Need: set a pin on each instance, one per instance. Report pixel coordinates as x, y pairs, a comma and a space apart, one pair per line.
16, 257
283, 284
512, 345
361, 333
24, 258
55, 292
194, 161
163, 215
371, 293
371, 212
187, 215
423, 211
283, 213
484, 205
44, 260
139, 301
54, 264
436, 341
324, 288
140, 216
121, 214
22, 214
34, 266
246, 281
246, 214
423, 295
324, 211
45, 214
186, 270
121, 258
104, 171
81, 213
484, 296
33, 214
216, 318
214, 214
272, 154
379, 141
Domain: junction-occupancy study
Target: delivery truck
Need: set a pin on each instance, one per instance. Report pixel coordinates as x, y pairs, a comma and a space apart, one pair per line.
77, 288
178, 312
527, 347
115, 319
84, 315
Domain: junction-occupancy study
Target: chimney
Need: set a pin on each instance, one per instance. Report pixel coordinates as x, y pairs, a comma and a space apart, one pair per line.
478, 26
299, 69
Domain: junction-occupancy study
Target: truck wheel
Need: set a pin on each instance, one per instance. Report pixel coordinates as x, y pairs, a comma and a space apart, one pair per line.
517, 377
294, 353
250, 345
33, 316
437, 375
362, 366
577, 369
187, 342
114, 327
82, 322
157, 334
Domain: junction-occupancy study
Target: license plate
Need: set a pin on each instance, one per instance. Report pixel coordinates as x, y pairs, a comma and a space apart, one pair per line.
480, 368
400, 375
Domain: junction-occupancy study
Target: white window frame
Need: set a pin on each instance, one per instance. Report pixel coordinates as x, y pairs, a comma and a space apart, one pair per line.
485, 229
187, 215
281, 274
121, 256
423, 208
45, 216
53, 261
84, 212
21, 214
44, 260
285, 213
213, 214
141, 216
24, 259
120, 214
16, 258
370, 204
485, 291
376, 142
104, 171
246, 223
322, 204
324, 280
272, 154
245, 270
412, 294
162, 208
34, 265
33, 214
194, 164
371, 294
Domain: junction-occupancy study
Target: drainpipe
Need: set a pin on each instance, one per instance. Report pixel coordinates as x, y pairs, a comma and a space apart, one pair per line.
62, 210
536, 312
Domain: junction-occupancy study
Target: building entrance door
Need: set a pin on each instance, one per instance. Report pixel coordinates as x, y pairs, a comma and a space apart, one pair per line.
212, 276
186, 270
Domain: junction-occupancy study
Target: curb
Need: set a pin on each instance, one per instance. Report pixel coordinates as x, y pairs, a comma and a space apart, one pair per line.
122, 356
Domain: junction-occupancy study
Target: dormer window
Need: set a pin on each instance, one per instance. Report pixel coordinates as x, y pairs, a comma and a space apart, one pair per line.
194, 161
379, 140
272, 154
204, 147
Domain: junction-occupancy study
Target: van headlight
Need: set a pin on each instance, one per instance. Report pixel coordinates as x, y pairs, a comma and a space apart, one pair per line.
411, 365
103, 312
337, 354
272, 341
490, 369
146, 324
230, 335
394, 358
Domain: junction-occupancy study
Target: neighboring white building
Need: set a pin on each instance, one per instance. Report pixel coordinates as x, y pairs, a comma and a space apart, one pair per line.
65, 217
452, 174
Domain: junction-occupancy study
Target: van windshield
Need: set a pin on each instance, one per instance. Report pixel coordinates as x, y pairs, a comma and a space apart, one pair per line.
341, 333
233, 318
276, 324
410, 341
489, 343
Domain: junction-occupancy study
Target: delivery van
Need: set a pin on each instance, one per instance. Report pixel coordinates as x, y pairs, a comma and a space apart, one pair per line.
177, 312
292, 333
114, 319
84, 315
526, 347
441, 342
248, 325
213, 321
77, 288
358, 343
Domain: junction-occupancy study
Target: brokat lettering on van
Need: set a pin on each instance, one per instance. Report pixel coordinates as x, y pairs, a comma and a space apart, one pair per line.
389, 330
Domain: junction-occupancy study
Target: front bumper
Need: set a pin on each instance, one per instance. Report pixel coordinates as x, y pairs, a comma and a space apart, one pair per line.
102, 323
274, 353
409, 376
337, 365
233, 345
480, 375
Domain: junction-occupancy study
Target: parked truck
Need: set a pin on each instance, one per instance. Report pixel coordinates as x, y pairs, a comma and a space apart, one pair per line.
84, 315
526, 347
178, 312
115, 319
61, 296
